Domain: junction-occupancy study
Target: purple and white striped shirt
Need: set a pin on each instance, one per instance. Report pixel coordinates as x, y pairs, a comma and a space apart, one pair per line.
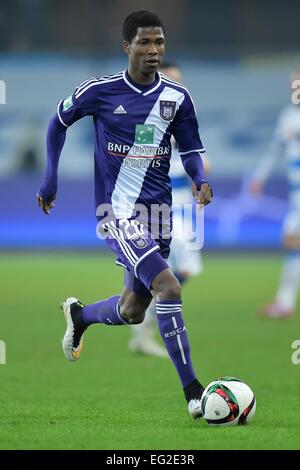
133, 127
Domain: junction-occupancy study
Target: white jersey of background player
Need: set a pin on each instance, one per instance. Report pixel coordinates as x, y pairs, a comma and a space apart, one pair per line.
285, 143
184, 262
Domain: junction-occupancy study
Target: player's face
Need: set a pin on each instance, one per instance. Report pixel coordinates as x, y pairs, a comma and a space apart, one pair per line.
146, 50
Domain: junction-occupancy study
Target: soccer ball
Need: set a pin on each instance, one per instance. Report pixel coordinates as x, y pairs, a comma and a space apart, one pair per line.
226, 401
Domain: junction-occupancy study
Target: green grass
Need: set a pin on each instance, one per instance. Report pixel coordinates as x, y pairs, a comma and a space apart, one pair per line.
111, 399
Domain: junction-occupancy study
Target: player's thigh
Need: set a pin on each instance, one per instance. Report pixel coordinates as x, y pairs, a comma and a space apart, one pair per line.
184, 260
142, 257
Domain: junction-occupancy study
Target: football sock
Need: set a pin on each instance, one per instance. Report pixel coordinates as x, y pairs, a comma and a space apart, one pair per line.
193, 390
107, 311
173, 332
290, 280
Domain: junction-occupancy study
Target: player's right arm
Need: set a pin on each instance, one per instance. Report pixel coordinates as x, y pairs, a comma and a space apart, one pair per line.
83, 102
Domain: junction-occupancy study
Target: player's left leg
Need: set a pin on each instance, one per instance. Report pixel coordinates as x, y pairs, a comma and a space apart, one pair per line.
286, 297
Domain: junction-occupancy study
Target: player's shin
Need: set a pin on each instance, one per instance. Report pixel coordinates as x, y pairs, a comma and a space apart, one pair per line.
107, 311
174, 334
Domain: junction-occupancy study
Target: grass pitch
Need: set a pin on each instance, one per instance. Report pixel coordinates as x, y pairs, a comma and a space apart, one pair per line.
111, 399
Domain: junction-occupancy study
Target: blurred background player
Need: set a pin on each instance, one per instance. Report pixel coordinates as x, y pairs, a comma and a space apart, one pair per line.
285, 142
183, 261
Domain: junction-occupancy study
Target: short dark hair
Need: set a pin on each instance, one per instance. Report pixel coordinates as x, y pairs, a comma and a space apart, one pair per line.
139, 19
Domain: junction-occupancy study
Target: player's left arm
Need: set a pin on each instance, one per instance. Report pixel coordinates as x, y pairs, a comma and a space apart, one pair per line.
185, 131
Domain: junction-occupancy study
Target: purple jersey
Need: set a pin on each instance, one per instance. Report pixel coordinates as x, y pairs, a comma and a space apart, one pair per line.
133, 127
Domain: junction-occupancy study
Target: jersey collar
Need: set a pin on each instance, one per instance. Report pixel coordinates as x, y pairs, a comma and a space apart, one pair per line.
144, 90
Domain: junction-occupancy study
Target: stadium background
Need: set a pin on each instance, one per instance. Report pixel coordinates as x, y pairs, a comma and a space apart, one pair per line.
236, 57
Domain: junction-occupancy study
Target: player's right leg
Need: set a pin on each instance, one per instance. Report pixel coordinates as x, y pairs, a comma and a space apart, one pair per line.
127, 309
72, 341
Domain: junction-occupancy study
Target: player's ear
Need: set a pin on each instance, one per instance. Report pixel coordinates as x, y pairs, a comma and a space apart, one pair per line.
126, 46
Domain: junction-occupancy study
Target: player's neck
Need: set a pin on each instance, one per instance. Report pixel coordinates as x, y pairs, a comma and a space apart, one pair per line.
141, 78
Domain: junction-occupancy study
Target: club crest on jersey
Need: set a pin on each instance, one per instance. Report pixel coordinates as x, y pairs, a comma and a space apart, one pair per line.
139, 242
167, 110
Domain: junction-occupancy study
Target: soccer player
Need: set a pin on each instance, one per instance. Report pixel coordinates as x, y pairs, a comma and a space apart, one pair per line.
183, 261
135, 113
285, 142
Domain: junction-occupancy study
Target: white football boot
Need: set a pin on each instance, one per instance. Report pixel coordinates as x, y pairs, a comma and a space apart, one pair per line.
194, 408
72, 341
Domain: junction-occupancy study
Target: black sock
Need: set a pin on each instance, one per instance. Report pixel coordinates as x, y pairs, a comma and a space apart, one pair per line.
193, 390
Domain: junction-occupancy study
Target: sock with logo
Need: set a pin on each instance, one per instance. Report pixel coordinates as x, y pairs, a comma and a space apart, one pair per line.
107, 311
173, 332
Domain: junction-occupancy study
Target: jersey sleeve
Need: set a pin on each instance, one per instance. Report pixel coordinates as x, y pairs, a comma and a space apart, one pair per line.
185, 128
83, 102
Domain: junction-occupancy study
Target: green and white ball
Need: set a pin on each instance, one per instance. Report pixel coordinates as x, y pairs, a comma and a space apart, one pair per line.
227, 401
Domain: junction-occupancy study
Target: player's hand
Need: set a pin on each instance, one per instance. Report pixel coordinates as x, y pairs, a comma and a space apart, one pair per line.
204, 195
46, 206
256, 188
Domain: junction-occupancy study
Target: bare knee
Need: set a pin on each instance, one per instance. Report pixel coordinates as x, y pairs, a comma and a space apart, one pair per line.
132, 314
166, 286
133, 307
